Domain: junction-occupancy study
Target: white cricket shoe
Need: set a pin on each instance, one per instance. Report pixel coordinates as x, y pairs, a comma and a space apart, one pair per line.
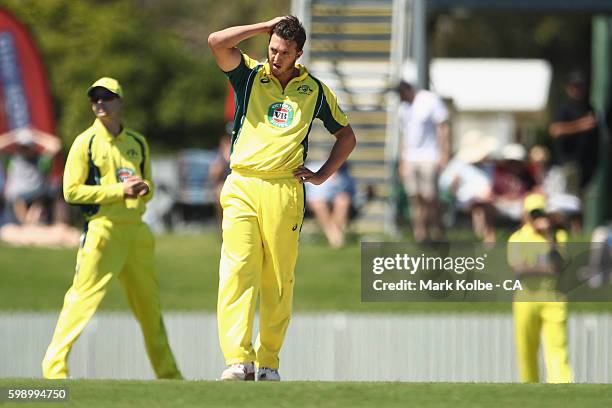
267, 374
239, 372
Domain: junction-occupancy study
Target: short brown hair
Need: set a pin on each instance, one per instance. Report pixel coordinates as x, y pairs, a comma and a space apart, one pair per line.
290, 29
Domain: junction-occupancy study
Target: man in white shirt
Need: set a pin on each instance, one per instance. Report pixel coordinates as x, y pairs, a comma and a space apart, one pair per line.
424, 153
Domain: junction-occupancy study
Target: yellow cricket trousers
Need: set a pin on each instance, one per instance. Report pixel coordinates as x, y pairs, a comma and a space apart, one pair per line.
262, 218
550, 320
126, 251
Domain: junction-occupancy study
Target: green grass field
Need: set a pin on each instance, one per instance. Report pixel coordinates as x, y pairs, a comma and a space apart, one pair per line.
90, 393
326, 280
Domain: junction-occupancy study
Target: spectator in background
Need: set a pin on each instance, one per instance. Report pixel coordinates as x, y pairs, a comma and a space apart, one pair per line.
26, 177
28, 189
219, 170
331, 203
574, 135
536, 254
424, 153
551, 181
512, 181
467, 181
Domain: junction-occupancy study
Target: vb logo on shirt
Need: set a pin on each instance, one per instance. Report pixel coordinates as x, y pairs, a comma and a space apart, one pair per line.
124, 173
280, 114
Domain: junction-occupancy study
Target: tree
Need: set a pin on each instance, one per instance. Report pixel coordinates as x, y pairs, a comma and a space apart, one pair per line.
174, 92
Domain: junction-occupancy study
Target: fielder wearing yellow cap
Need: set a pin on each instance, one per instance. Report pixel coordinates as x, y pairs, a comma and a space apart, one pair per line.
108, 175
534, 201
539, 311
110, 84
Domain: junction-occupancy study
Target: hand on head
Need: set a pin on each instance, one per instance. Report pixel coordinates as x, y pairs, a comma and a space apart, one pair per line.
271, 23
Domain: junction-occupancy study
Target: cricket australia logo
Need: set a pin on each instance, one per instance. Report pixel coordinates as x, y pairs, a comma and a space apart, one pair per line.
305, 89
124, 173
132, 153
280, 114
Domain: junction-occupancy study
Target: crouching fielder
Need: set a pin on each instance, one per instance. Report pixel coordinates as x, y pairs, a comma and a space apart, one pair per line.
108, 173
263, 198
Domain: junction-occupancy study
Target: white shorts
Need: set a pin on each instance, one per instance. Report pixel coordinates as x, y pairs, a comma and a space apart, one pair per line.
421, 179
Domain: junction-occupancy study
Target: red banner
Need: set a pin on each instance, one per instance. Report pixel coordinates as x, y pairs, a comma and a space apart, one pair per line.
24, 93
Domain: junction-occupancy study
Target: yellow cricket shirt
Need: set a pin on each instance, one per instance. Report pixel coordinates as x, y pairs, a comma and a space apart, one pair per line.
271, 125
97, 164
528, 248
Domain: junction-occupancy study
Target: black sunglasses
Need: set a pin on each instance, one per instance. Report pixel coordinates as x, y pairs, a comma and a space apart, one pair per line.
102, 95
537, 213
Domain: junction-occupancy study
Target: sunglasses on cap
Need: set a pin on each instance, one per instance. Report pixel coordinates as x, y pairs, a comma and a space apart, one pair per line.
102, 94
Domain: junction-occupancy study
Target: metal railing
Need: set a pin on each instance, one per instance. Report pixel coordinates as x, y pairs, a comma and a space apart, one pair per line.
325, 347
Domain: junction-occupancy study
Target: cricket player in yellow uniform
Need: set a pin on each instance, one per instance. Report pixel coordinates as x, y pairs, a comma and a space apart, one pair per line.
263, 198
108, 173
535, 252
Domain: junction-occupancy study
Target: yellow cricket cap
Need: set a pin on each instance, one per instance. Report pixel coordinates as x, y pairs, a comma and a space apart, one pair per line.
107, 83
534, 201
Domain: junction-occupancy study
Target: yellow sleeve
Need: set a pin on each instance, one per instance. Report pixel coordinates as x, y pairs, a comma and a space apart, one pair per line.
330, 112
515, 251
81, 187
249, 62
561, 238
147, 177
238, 77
